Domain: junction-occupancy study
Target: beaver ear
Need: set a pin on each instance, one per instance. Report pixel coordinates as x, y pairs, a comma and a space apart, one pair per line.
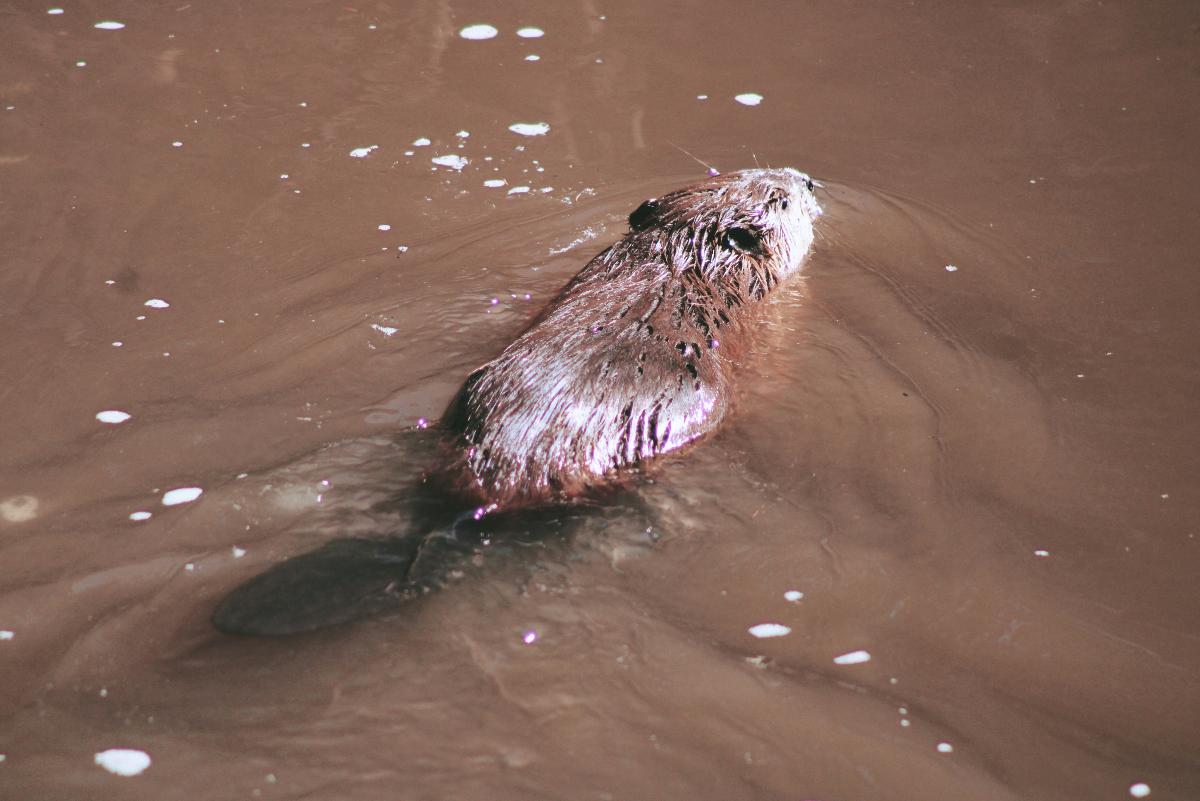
744, 240
644, 215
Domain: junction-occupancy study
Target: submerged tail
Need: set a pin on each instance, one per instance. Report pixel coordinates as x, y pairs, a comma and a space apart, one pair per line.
344, 580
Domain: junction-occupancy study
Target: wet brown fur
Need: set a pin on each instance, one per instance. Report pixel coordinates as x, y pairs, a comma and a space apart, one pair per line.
635, 356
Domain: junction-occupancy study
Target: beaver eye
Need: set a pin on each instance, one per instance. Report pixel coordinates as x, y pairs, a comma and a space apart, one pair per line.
783, 204
742, 239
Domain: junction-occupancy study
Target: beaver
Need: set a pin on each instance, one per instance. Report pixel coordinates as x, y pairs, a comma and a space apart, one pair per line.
634, 358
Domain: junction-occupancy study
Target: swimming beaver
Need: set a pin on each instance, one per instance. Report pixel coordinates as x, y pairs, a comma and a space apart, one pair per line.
634, 358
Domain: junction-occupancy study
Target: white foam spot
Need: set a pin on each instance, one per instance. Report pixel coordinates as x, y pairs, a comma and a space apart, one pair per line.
181, 495
112, 416
852, 658
453, 162
495, 183
793, 595
19, 508
422, 142
763, 630
123, 761
702, 97
478, 32
80, 63
110, 25
530, 33
749, 98
1139, 790
463, 134
950, 268
530, 128
177, 143
533, 57
518, 190
237, 552
387, 331
54, 11
140, 516
363, 152
157, 303
5, 634
385, 227
945, 748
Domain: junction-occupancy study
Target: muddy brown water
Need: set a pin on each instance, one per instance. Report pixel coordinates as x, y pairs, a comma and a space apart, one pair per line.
984, 478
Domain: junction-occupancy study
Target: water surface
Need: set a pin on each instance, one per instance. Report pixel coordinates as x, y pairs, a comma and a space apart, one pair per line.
966, 445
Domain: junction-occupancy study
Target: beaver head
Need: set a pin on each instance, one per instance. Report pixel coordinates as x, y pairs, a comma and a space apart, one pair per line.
748, 229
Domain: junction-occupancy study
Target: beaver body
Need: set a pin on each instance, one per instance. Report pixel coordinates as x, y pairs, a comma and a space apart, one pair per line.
635, 356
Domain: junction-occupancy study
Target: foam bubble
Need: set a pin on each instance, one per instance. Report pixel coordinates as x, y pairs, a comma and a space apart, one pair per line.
123, 761
140, 516
54, 11
181, 495
478, 32
530, 33
852, 658
945, 748
793, 595
109, 25
453, 162
1139, 790
363, 152
18, 509
5, 634
533, 57
495, 183
113, 416
157, 303
763, 630
530, 128
518, 190
749, 98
